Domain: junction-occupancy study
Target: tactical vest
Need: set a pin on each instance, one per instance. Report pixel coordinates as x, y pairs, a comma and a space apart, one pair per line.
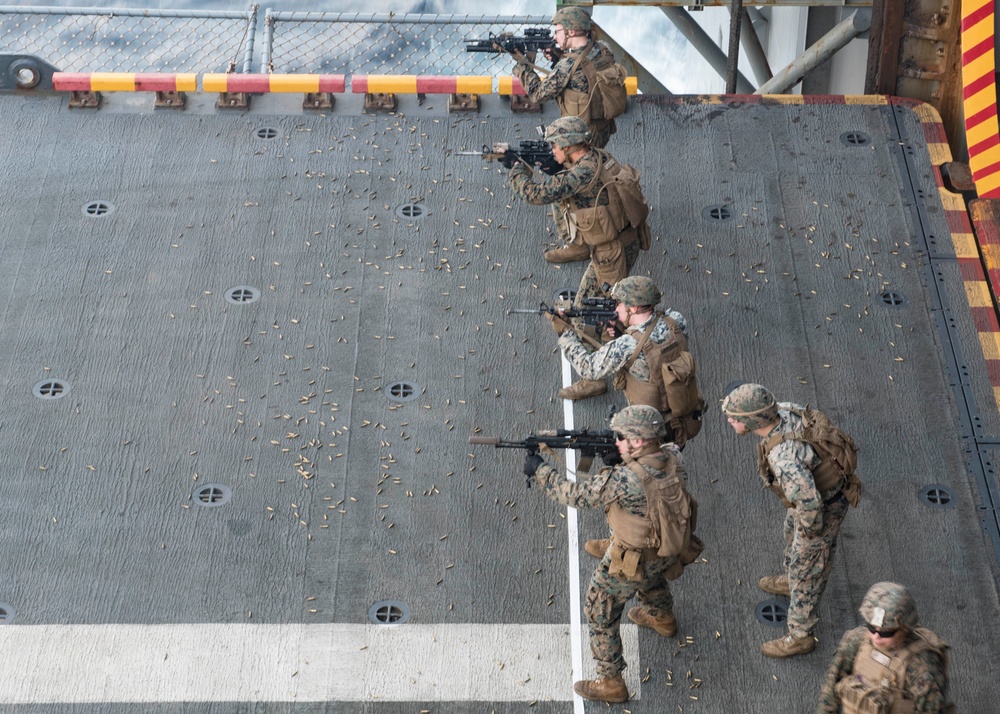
666, 529
617, 219
877, 684
673, 385
838, 454
606, 97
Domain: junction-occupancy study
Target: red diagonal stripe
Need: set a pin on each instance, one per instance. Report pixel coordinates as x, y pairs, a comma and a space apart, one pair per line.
989, 112
984, 145
976, 15
986, 171
978, 84
978, 50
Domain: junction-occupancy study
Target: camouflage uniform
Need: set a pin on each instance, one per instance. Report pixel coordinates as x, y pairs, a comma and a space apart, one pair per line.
810, 528
613, 355
926, 680
607, 594
906, 671
577, 185
548, 89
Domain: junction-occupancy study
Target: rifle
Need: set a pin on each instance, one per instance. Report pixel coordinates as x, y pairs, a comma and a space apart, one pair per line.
535, 153
534, 39
596, 311
590, 443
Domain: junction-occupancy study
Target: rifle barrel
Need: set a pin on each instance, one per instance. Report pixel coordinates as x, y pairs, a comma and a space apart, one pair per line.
486, 440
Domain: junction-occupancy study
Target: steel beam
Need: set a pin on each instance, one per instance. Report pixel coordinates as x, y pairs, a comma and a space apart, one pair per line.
820, 52
648, 84
704, 44
715, 3
752, 46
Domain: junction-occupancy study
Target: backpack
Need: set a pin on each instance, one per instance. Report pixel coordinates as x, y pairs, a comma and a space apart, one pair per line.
833, 445
673, 380
608, 97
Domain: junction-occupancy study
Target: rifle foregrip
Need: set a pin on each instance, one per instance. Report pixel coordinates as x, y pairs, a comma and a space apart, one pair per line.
485, 440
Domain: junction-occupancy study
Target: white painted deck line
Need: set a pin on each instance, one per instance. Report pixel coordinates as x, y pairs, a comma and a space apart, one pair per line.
573, 543
287, 663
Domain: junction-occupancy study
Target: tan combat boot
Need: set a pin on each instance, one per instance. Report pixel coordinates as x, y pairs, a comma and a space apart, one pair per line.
597, 548
788, 646
584, 389
665, 625
609, 689
774, 584
569, 253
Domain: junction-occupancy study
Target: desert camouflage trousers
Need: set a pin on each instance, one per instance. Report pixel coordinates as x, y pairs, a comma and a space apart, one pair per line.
605, 603
808, 561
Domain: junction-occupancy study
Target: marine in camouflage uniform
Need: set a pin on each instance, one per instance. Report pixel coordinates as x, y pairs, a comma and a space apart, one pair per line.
576, 26
612, 357
575, 184
812, 522
891, 636
607, 594
578, 23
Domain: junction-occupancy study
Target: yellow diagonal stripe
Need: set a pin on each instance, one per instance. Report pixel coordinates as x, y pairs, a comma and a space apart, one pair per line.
965, 245
978, 292
991, 344
187, 82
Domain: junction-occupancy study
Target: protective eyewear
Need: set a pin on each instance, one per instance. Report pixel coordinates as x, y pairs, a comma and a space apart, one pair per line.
620, 437
884, 634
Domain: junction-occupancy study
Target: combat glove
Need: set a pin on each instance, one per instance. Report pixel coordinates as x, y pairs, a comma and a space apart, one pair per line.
558, 324
550, 166
612, 458
531, 464
509, 158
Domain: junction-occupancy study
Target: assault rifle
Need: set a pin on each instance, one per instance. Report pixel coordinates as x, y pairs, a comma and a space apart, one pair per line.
536, 153
534, 39
590, 444
596, 311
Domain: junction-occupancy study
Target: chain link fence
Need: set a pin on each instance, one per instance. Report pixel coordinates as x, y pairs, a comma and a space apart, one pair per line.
349, 43
85, 39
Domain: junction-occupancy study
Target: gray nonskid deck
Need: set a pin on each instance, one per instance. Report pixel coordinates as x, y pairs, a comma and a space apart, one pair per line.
343, 496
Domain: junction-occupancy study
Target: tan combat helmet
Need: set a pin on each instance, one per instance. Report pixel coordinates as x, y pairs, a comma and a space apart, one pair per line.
751, 405
889, 606
573, 18
636, 291
567, 131
639, 422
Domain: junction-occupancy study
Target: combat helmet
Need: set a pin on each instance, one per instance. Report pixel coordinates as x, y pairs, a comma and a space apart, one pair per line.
889, 606
636, 291
573, 18
751, 405
567, 131
639, 422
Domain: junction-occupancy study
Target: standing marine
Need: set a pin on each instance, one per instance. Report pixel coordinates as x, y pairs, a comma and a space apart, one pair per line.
579, 82
585, 82
890, 665
809, 464
651, 517
650, 360
598, 197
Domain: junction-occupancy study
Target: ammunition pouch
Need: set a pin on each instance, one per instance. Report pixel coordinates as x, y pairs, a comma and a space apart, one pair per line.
608, 261
595, 225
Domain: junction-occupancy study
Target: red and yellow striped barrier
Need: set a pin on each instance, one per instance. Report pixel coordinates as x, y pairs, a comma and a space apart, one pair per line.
980, 94
419, 84
123, 82
507, 86
268, 83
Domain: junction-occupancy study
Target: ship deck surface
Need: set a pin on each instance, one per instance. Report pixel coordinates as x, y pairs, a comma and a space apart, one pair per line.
123, 589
